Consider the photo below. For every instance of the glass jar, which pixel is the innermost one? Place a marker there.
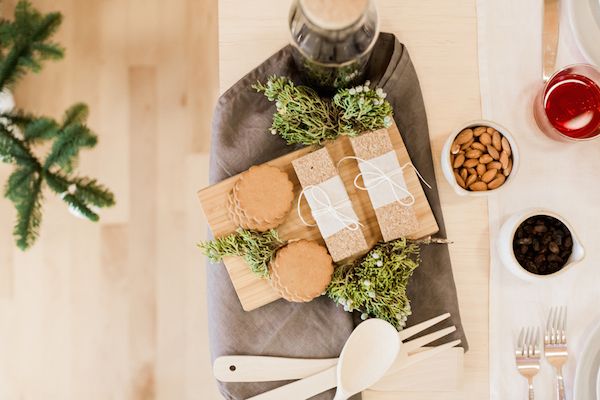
(332, 40)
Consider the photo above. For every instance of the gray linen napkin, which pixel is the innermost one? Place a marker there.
(317, 329)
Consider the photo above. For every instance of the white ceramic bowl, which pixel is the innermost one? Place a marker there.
(449, 171)
(507, 255)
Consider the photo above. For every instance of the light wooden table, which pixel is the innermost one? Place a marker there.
(442, 39)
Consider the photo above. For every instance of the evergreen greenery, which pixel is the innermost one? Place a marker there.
(376, 284)
(303, 117)
(257, 248)
(25, 42)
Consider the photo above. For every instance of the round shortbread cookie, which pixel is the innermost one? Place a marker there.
(264, 193)
(240, 220)
(301, 270)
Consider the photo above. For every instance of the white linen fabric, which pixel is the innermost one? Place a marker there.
(559, 176)
(376, 172)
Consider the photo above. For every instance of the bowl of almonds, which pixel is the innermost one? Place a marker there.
(480, 158)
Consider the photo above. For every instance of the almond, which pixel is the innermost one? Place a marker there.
(478, 186)
(464, 136)
(497, 141)
(508, 170)
(494, 165)
(455, 148)
(474, 153)
(467, 145)
(489, 175)
(459, 180)
(471, 171)
(481, 169)
(485, 139)
(471, 163)
(490, 130)
(479, 131)
(493, 152)
(478, 146)
(463, 173)
(486, 158)
(470, 180)
(504, 159)
(458, 160)
(506, 146)
(497, 182)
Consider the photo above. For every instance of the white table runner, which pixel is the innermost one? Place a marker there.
(558, 176)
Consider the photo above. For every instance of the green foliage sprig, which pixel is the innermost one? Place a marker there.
(303, 117)
(257, 248)
(24, 44)
(376, 283)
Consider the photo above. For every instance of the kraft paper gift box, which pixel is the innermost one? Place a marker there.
(330, 205)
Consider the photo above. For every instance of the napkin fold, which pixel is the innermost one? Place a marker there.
(317, 329)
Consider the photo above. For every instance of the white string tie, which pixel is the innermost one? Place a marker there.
(377, 177)
(326, 207)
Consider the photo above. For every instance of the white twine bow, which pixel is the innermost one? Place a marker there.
(380, 177)
(326, 207)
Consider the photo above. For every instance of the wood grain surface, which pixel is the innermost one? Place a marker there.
(441, 37)
(117, 310)
(254, 292)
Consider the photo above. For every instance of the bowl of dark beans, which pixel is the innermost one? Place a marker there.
(538, 243)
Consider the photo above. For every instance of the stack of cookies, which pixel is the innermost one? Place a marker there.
(261, 198)
(301, 270)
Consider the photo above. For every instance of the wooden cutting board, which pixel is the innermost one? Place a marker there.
(254, 292)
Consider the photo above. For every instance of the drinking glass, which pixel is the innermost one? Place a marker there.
(568, 106)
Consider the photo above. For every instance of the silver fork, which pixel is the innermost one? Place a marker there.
(528, 355)
(555, 345)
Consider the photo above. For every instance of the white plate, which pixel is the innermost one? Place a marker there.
(585, 21)
(598, 386)
(586, 375)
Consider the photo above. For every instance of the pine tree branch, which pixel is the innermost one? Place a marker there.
(28, 32)
(65, 149)
(76, 114)
(29, 211)
(14, 149)
(15, 182)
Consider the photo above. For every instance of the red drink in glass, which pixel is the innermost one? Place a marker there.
(569, 105)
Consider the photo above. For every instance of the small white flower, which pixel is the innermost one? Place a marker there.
(72, 188)
(384, 95)
(359, 89)
(367, 83)
(361, 100)
(379, 92)
(273, 131)
(375, 255)
(278, 104)
(352, 91)
(387, 121)
(371, 294)
(346, 308)
(349, 303)
(364, 316)
(367, 283)
(366, 88)
(379, 263)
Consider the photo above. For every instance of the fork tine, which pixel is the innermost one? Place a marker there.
(423, 340)
(554, 332)
(548, 333)
(413, 330)
(536, 342)
(527, 341)
(563, 325)
(521, 341)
